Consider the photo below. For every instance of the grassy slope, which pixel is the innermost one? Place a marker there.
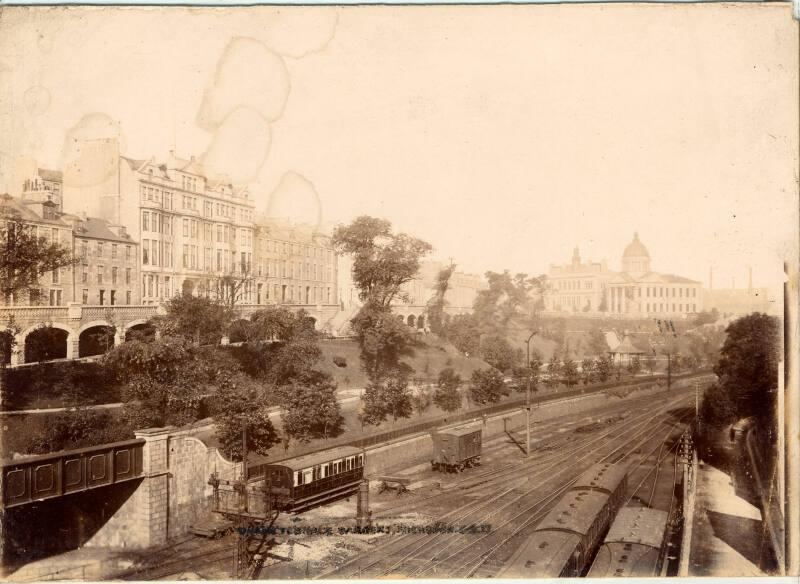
(430, 356)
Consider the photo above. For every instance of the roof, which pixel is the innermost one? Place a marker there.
(460, 431)
(635, 249)
(604, 476)
(638, 525)
(13, 206)
(575, 512)
(315, 458)
(626, 347)
(96, 228)
(51, 175)
(651, 278)
(542, 555)
(134, 163)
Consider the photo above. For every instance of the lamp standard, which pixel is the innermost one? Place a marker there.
(528, 397)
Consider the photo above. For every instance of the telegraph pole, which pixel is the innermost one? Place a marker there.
(528, 397)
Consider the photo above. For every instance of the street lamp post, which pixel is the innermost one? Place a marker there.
(528, 397)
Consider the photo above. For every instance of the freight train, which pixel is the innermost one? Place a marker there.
(566, 539)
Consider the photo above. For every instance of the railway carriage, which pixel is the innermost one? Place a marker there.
(307, 481)
(634, 546)
(455, 449)
(566, 539)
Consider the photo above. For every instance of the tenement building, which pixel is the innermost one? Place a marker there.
(106, 272)
(635, 292)
(196, 232)
(294, 264)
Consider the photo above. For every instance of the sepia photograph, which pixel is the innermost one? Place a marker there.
(399, 291)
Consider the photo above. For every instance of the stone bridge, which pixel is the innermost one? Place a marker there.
(80, 330)
(416, 315)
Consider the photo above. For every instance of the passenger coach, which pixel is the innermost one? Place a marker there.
(566, 539)
(307, 481)
(634, 545)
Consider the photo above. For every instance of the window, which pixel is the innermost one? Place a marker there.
(55, 297)
(127, 252)
(127, 276)
(128, 297)
(102, 295)
(85, 296)
(100, 275)
(145, 221)
(114, 274)
(99, 249)
(114, 251)
(145, 251)
(113, 297)
(186, 228)
(55, 276)
(84, 251)
(185, 256)
(85, 275)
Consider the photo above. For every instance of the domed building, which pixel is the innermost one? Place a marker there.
(634, 292)
(636, 258)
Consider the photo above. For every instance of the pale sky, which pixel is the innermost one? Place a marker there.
(504, 135)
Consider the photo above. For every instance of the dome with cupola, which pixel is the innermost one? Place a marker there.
(636, 258)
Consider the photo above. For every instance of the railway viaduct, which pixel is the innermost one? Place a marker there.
(69, 327)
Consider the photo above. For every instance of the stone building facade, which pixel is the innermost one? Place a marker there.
(634, 292)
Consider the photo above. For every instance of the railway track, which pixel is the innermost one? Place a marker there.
(465, 562)
(421, 555)
(556, 450)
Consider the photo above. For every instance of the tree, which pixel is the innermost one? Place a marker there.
(421, 399)
(487, 386)
(634, 365)
(597, 343)
(446, 395)
(164, 381)
(569, 370)
(748, 365)
(240, 404)
(554, 370)
(436, 304)
(706, 317)
(650, 363)
(388, 397)
(508, 299)
(229, 289)
(196, 318)
(383, 341)
(604, 368)
(498, 353)
(382, 261)
(717, 410)
(310, 408)
(77, 428)
(463, 332)
(587, 370)
(24, 257)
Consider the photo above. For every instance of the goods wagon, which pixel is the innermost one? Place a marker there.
(634, 545)
(455, 449)
(566, 539)
(307, 481)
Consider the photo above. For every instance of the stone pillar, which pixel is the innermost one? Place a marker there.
(152, 518)
(18, 351)
(73, 345)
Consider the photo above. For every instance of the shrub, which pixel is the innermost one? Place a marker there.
(339, 361)
(77, 429)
